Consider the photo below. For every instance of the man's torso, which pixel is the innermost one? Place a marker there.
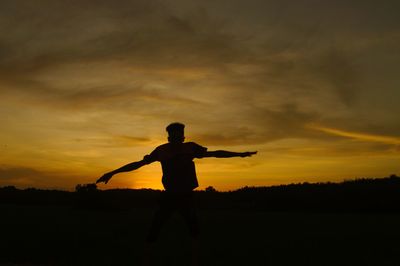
(179, 173)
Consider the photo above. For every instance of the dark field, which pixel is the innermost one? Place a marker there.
(63, 235)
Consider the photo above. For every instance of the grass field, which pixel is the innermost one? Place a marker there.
(54, 235)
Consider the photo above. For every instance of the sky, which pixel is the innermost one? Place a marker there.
(88, 86)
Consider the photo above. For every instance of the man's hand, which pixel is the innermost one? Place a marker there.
(248, 153)
(105, 178)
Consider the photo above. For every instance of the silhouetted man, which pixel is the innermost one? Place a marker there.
(179, 177)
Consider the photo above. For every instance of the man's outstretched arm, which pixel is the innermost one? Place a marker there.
(126, 168)
(228, 154)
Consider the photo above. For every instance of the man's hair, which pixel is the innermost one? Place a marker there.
(174, 128)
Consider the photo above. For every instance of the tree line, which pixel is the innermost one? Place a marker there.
(358, 195)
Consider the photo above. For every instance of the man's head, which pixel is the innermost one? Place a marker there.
(176, 132)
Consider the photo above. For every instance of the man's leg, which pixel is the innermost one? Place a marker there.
(189, 214)
(161, 215)
(190, 217)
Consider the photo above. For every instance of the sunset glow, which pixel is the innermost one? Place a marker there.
(90, 86)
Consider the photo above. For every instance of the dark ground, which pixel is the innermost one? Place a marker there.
(64, 235)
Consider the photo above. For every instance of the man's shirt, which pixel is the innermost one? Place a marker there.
(179, 172)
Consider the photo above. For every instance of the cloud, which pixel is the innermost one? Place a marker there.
(141, 33)
(30, 177)
(357, 135)
(164, 42)
(339, 71)
(156, 48)
(254, 73)
(132, 141)
(115, 141)
(258, 126)
(320, 148)
(17, 172)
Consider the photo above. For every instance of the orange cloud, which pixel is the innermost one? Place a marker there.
(357, 135)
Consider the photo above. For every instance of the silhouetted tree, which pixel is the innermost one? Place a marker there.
(210, 189)
(9, 188)
(86, 187)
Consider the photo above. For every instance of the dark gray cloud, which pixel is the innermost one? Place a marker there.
(276, 65)
(29, 177)
(57, 33)
(17, 172)
(340, 72)
(260, 125)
